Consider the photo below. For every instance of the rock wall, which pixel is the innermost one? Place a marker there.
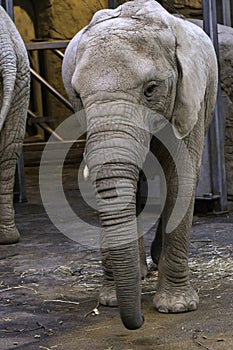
(188, 8)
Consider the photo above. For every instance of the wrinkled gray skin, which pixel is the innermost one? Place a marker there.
(128, 68)
(14, 97)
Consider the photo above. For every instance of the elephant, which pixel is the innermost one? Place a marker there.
(14, 94)
(147, 82)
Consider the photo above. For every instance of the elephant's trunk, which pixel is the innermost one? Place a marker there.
(116, 203)
(115, 156)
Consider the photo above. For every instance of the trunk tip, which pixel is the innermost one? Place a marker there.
(133, 325)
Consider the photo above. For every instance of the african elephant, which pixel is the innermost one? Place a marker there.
(14, 93)
(144, 78)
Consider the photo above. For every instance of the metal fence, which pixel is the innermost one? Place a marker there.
(225, 11)
(212, 183)
(55, 47)
(8, 6)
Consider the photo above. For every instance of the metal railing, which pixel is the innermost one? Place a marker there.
(8, 6)
(55, 47)
(225, 11)
(215, 138)
(114, 3)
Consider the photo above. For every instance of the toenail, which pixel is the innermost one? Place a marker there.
(163, 309)
(192, 306)
(179, 308)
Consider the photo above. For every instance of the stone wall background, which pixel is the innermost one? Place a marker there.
(61, 20)
(189, 8)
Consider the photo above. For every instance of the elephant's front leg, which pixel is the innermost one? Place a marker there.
(170, 249)
(8, 231)
(174, 293)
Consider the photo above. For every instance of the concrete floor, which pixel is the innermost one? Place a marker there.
(49, 288)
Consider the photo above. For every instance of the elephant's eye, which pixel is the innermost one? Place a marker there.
(149, 90)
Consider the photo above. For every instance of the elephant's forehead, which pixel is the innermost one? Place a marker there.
(129, 34)
(122, 57)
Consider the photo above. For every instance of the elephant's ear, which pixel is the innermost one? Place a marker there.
(68, 69)
(69, 61)
(104, 15)
(192, 75)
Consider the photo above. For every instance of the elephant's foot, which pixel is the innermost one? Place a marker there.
(9, 234)
(175, 300)
(107, 294)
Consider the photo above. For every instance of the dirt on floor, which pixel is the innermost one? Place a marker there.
(49, 288)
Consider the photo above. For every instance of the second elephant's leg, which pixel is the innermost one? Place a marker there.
(11, 139)
(8, 231)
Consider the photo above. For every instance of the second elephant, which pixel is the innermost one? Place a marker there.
(14, 99)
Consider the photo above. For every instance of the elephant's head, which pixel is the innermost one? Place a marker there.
(129, 68)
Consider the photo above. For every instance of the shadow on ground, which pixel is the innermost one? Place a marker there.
(49, 289)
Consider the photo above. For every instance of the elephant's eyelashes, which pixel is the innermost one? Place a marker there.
(149, 90)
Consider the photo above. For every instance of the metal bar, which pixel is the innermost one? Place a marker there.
(47, 45)
(47, 128)
(231, 10)
(112, 4)
(9, 7)
(216, 131)
(32, 114)
(210, 21)
(58, 53)
(43, 124)
(51, 89)
(37, 119)
(226, 12)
